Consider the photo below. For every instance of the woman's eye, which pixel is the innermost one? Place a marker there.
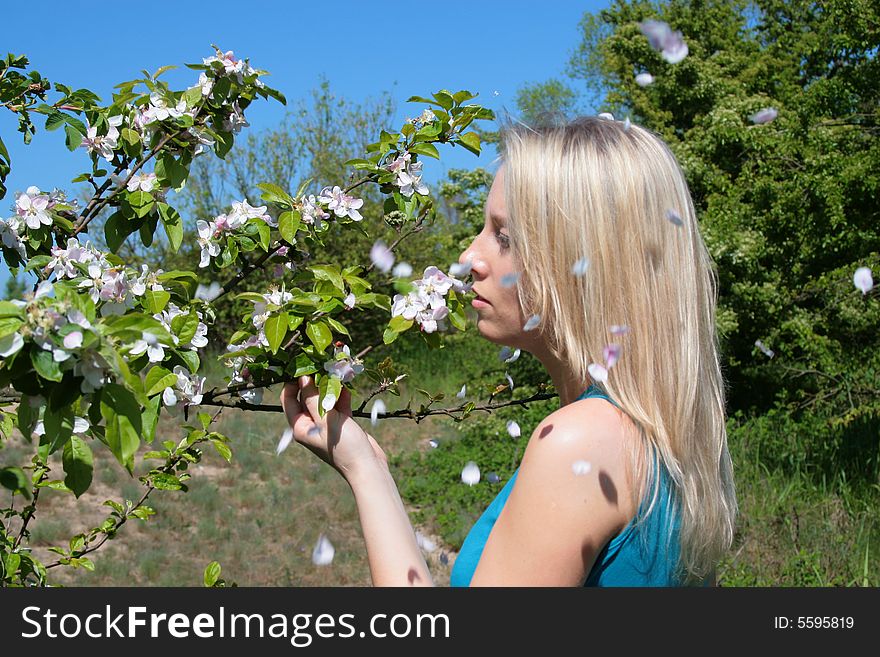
(503, 240)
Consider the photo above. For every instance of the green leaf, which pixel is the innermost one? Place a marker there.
(320, 335)
(173, 225)
(337, 326)
(329, 273)
(9, 309)
(329, 385)
(14, 479)
(222, 449)
(123, 423)
(444, 99)
(9, 325)
(45, 365)
(265, 233)
(399, 323)
(274, 194)
(471, 141)
(212, 573)
(141, 202)
(165, 481)
(288, 224)
(74, 138)
(117, 228)
(131, 136)
(158, 379)
(276, 328)
(78, 465)
(425, 148)
(156, 300)
(58, 428)
(362, 164)
(170, 171)
(149, 419)
(185, 326)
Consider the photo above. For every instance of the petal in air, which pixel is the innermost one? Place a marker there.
(581, 468)
(509, 380)
(462, 392)
(329, 401)
(513, 429)
(324, 551)
(611, 353)
(533, 321)
(507, 355)
(286, 437)
(580, 267)
(470, 474)
(493, 478)
(862, 279)
(402, 270)
(619, 329)
(767, 351)
(425, 543)
(377, 409)
(434, 443)
(509, 280)
(673, 216)
(381, 256)
(644, 79)
(598, 372)
(764, 116)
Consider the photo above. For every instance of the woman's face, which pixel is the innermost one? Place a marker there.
(499, 317)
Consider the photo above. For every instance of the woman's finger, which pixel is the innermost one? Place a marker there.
(309, 396)
(290, 402)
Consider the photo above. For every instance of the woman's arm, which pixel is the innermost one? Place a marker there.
(392, 550)
(393, 553)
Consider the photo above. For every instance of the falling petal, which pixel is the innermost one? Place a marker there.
(496, 93)
(644, 79)
(470, 474)
(425, 543)
(598, 372)
(611, 353)
(462, 392)
(862, 279)
(581, 467)
(459, 269)
(767, 352)
(323, 553)
(381, 256)
(493, 478)
(39, 428)
(444, 558)
(208, 293)
(286, 437)
(764, 116)
(580, 267)
(534, 320)
(509, 280)
(606, 116)
(626, 124)
(507, 355)
(509, 380)
(80, 425)
(329, 401)
(378, 408)
(619, 329)
(513, 429)
(349, 301)
(674, 217)
(434, 443)
(402, 270)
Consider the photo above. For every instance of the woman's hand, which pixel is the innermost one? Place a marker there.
(336, 438)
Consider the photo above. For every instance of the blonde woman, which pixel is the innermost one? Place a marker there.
(590, 231)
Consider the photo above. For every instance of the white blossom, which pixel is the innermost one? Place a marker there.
(341, 203)
(33, 207)
(145, 182)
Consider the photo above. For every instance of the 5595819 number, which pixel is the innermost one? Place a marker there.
(825, 622)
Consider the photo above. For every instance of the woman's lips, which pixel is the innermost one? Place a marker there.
(479, 302)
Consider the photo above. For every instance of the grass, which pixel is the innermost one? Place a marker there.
(261, 515)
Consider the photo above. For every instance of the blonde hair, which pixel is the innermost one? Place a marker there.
(615, 194)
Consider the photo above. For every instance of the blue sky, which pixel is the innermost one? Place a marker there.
(363, 48)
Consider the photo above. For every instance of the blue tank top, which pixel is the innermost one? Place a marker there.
(646, 555)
